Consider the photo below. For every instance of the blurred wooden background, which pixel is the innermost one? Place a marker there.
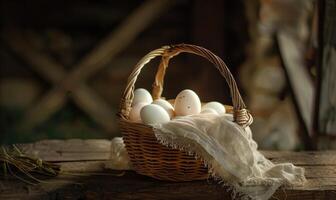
(64, 64)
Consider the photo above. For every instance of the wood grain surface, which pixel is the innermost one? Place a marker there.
(86, 175)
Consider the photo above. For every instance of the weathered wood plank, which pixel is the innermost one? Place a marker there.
(69, 150)
(132, 186)
(311, 172)
(84, 166)
(71, 145)
(303, 158)
(86, 174)
(320, 171)
(317, 184)
(77, 149)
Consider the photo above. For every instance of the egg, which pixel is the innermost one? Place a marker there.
(142, 95)
(218, 107)
(134, 114)
(154, 114)
(165, 105)
(187, 103)
(208, 111)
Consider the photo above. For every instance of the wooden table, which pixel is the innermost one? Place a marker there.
(78, 157)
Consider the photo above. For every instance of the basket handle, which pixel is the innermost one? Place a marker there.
(241, 114)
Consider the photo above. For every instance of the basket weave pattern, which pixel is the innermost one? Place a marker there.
(147, 155)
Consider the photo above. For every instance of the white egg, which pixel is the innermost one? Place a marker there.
(165, 105)
(187, 103)
(218, 107)
(208, 111)
(154, 114)
(142, 95)
(135, 112)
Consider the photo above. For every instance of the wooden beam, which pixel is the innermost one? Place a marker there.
(94, 61)
(326, 97)
(41, 62)
(119, 39)
(49, 104)
(56, 98)
(301, 85)
(96, 107)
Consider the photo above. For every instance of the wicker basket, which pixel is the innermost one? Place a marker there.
(147, 155)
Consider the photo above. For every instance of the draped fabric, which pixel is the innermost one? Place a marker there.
(230, 153)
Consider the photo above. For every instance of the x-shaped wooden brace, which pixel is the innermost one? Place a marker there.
(73, 82)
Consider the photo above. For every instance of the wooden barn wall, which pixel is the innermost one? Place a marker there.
(68, 30)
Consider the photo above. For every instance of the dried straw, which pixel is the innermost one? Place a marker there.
(15, 163)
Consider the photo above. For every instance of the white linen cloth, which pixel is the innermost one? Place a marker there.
(230, 153)
(119, 159)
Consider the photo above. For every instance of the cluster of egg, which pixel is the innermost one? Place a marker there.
(145, 110)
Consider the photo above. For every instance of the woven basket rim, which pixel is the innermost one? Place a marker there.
(134, 123)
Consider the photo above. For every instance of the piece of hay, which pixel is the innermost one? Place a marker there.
(25, 168)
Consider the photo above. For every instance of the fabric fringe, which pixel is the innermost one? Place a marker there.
(201, 137)
(186, 147)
